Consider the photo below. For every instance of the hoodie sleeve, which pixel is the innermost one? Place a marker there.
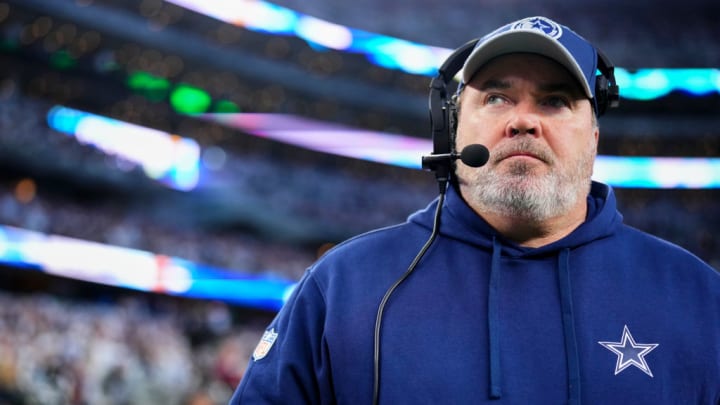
(290, 363)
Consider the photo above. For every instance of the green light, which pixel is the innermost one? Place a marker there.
(62, 60)
(226, 106)
(153, 87)
(190, 100)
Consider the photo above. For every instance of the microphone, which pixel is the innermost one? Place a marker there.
(474, 155)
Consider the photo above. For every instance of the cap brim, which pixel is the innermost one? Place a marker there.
(523, 41)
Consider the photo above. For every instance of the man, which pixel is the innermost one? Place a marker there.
(532, 291)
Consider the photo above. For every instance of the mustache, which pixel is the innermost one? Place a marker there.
(524, 146)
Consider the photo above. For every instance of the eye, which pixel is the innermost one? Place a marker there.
(494, 99)
(556, 101)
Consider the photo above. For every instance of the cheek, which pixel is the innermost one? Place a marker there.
(580, 157)
(571, 140)
(473, 129)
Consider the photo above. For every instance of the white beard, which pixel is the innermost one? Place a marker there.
(518, 191)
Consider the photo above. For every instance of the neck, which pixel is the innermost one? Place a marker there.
(531, 233)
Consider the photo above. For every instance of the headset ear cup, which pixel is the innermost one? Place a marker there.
(441, 117)
(607, 92)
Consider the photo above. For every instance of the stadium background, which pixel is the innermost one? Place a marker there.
(83, 323)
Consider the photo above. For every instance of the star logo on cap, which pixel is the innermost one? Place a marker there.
(546, 26)
(630, 353)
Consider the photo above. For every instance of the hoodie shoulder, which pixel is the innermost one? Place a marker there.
(382, 253)
(666, 253)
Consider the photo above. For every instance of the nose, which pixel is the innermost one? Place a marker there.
(523, 122)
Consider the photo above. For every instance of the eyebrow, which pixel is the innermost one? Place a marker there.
(495, 84)
(564, 87)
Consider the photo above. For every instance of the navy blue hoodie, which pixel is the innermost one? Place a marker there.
(606, 315)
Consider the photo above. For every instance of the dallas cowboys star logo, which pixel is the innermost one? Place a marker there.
(548, 27)
(630, 353)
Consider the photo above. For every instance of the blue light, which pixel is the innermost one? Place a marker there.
(649, 84)
(64, 120)
(658, 172)
(139, 270)
(696, 81)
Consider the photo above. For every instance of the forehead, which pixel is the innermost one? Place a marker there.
(509, 69)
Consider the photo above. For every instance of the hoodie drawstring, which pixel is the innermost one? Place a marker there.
(493, 321)
(571, 349)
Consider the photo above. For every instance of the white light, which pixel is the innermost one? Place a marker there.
(176, 279)
(92, 261)
(324, 33)
(168, 158)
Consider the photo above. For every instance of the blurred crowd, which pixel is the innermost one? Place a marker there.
(108, 223)
(689, 218)
(62, 351)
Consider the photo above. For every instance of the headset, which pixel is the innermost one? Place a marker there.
(443, 120)
(443, 110)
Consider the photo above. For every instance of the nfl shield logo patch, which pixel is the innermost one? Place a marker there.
(266, 342)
